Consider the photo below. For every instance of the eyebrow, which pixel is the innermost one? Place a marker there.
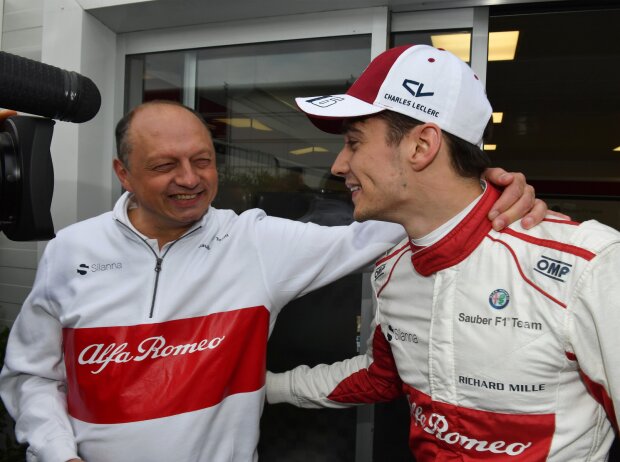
(349, 128)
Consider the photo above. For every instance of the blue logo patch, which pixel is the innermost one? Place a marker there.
(499, 299)
(416, 88)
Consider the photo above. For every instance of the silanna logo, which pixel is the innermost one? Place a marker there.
(379, 271)
(394, 333)
(83, 268)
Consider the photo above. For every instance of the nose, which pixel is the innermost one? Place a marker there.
(340, 167)
(187, 176)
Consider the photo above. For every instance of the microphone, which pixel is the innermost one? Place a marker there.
(36, 88)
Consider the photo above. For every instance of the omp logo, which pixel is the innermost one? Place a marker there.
(394, 333)
(554, 269)
(83, 268)
(325, 101)
(416, 88)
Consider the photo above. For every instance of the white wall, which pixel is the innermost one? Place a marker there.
(82, 153)
(60, 33)
(22, 28)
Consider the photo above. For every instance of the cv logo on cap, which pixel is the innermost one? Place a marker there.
(416, 88)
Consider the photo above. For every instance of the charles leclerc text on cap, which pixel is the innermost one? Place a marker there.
(425, 83)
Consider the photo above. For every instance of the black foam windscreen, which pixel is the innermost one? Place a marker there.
(41, 89)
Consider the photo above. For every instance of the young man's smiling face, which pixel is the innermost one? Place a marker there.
(171, 170)
(374, 170)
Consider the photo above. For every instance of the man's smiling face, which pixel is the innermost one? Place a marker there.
(171, 170)
(373, 170)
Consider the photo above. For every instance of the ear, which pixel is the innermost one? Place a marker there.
(424, 142)
(122, 173)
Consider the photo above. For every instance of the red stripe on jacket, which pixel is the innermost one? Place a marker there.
(125, 374)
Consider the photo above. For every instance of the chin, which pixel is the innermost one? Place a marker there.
(365, 215)
(361, 216)
(192, 218)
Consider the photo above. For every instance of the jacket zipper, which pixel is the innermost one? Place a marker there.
(158, 260)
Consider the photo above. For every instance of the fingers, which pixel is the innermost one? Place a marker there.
(536, 214)
(559, 215)
(4, 113)
(498, 176)
(517, 201)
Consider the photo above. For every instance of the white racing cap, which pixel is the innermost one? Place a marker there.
(419, 81)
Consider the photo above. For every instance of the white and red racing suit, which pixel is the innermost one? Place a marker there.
(504, 343)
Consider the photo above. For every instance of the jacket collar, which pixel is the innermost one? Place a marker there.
(459, 243)
(120, 214)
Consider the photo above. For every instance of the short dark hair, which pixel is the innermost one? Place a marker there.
(468, 160)
(123, 145)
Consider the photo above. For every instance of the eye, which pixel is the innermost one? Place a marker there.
(166, 167)
(352, 143)
(203, 162)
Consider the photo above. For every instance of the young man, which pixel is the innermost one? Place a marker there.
(144, 336)
(504, 343)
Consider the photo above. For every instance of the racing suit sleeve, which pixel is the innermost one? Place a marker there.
(300, 257)
(593, 328)
(367, 378)
(32, 382)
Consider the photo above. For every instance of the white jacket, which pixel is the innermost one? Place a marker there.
(504, 343)
(126, 352)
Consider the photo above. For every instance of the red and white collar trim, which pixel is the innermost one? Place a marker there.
(459, 243)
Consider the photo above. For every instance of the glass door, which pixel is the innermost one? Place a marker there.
(557, 93)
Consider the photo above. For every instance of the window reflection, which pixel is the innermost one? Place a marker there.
(455, 41)
(559, 97)
(270, 155)
(163, 76)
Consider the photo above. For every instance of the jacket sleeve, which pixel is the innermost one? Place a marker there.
(297, 258)
(594, 325)
(32, 381)
(368, 378)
